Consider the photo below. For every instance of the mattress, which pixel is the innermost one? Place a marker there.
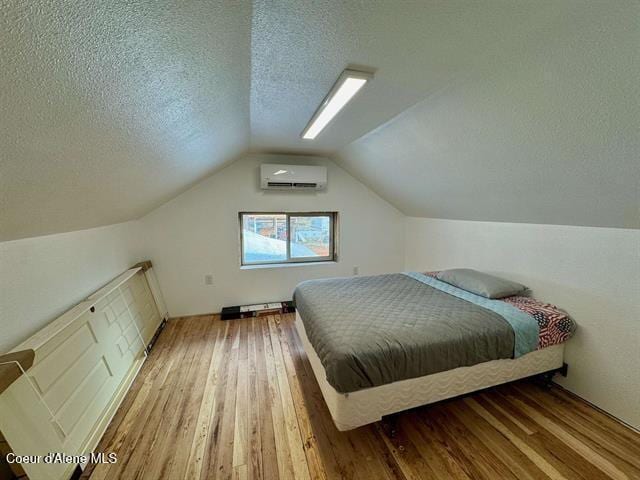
(352, 410)
(372, 331)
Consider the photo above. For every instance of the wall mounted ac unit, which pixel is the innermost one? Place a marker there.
(292, 177)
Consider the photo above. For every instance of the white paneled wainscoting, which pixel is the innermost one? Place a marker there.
(78, 369)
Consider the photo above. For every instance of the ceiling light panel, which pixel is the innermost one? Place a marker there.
(348, 84)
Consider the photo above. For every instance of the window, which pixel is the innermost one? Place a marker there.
(287, 237)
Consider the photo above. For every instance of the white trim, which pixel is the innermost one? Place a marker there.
(332, 257)
(285, 265)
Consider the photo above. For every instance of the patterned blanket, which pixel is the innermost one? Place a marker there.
(555, 324)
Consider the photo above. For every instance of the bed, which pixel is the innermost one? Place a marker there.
(382, 344)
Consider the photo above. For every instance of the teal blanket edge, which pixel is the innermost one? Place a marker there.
(525, 327)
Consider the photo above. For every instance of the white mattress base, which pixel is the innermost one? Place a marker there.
(352, 410)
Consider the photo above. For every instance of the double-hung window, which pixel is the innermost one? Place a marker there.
(284, 237)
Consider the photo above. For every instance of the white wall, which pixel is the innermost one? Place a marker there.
(593, 273)
(198, 233)
(42, 277)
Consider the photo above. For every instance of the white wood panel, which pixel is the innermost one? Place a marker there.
(79, 339)
(82, 372)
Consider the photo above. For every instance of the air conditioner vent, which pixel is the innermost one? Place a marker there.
(280, 184)
(293, 177)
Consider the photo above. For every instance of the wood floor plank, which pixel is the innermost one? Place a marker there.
(558, 453)
(521, 445)
(239, 400)
(214, 438)
(267, 433)
(254, 469)
(241, 432)
(336, 448)
(296, 443)
(433, 449)
(223, 465)
(413, 465)
(518, 463)
(477, 457)
(625, 454)
(389, 464)
(309, 440)
(317, 412)
(371, 465)
(283, 455)
(205, 413)
(150, 460)
(579, 447)
(240, 472)
(177, 438)
(611, 427)
(503, 411)
(189, 417)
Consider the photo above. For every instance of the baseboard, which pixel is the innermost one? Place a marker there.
(611, 416)
(208, 314)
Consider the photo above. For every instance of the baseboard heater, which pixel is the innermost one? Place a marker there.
(256, 310)
(61, 387)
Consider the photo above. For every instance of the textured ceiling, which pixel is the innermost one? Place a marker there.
(490, 110)
(111, 108)
(543, 130)
(298, 49)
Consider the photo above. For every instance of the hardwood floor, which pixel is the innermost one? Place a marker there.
(238, 399)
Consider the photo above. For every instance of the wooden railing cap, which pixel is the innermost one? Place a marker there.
(145, 265)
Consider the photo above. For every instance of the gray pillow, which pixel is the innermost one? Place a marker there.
(481, 283)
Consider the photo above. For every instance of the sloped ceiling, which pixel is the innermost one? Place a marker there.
(111, 108)
(495, 111)
(545, 129)
(508, 111)
(300, 47)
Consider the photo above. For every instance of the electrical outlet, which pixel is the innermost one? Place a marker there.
(356, 270)
(208, 279)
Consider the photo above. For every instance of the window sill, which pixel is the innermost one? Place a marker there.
(286, 265)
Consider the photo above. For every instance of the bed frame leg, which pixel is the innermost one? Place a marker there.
(546, 378)
(564, 369)
(390, 425)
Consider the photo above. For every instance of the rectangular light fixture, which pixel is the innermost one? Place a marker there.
(347, 85)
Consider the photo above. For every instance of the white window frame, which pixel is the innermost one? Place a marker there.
(332, 257)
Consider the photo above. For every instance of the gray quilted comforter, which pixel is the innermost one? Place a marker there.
(369, 331)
